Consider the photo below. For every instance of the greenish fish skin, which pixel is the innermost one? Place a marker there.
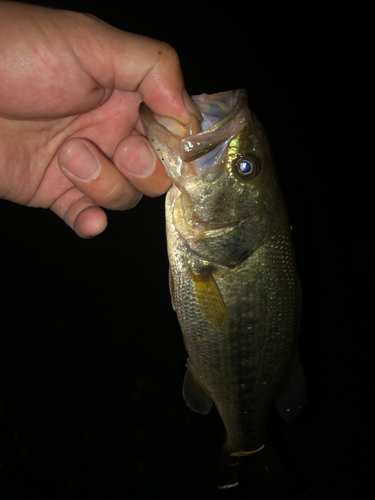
(233, 275)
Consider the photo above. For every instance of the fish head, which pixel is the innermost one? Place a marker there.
(221, 168)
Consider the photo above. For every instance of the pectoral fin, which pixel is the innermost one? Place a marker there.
(210, 300)
(195, 396)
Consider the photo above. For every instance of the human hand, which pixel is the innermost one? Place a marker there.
(70, 135)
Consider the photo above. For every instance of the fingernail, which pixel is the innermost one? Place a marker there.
(81, 162)
(138, 159)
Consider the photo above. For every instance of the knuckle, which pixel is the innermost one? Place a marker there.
(170, 55)
(169, 51)
(122, 196)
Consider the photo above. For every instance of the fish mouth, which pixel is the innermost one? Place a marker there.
(194, 154)
(178, 146)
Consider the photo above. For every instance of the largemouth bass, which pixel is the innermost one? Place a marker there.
(233, 277)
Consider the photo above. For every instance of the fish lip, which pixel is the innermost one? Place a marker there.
(205, 229)
(202, 143)
(240, 101)
(194, 146)
(148, 119)
(160, 138)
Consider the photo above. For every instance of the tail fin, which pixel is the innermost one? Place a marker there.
(263, 468)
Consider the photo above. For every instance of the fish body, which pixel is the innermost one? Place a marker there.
(233, 276)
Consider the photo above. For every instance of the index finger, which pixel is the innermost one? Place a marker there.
(129, 62)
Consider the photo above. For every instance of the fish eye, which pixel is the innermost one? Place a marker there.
(247, 167)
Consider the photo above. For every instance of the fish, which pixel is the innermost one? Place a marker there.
(233, 277)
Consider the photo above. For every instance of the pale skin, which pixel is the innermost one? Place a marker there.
(70, 135)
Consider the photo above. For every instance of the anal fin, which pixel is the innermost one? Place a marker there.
(292, 397)
(195, 396)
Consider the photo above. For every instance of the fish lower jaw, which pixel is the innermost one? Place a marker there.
(193, 229)
(196, 232)
(190, 227)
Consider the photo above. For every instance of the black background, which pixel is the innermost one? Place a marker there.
(92, 359)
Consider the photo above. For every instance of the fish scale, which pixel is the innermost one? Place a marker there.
(232, 367)
(233, 277)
